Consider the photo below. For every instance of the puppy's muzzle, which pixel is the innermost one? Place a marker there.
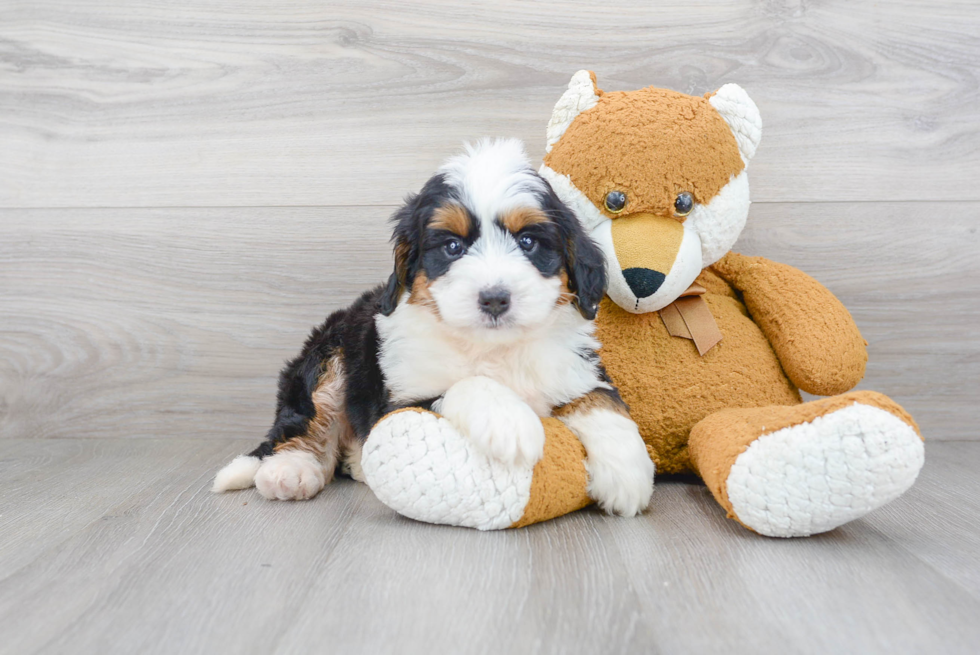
(494, 302)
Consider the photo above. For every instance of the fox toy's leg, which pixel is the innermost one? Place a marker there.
(418, 464)
(800, 470)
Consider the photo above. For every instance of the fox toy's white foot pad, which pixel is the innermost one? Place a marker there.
(813, 477)
(419, 465)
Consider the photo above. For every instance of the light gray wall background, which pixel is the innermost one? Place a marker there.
(187, 187)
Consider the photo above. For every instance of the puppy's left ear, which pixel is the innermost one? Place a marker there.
(584, 262)
(406, 248)
(586, 273)
(410, 222)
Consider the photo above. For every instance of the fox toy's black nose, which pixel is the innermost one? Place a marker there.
(495, 301)
(642, 281)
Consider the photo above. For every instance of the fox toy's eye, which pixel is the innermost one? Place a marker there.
(453, 248)
(527, 243)
(615, 201)
(684, 204)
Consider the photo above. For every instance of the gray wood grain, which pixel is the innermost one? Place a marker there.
(52, 489)
(158, 564)
(164, 322)
(143, 323)
(180, 103)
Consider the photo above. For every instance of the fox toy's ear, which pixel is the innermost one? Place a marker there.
(742, 116)
(582, 94)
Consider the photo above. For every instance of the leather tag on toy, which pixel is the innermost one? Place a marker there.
(688, 317)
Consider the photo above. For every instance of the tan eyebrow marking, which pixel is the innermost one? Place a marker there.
(518, 219)
(452, 218)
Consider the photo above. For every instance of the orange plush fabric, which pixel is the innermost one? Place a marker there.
(670, 387)
(559, 482)
(781, 330)
(652, 143)
(812, 333)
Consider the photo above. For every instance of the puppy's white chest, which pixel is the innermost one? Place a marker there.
(420, 362)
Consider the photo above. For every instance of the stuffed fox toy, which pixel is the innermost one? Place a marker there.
(709, 348)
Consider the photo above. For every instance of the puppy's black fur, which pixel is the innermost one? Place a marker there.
(349, 331)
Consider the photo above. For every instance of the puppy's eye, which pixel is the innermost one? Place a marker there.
(527, 243)
(615, 201)
(453, 248)
(684, 204)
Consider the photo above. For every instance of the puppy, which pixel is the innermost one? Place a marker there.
(486, 319)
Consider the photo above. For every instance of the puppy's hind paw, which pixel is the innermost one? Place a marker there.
(290, 475)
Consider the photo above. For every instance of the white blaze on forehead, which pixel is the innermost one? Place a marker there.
(492, 177)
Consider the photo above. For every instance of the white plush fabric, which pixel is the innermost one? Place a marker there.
(720, 222)
(742, 115)
(813, 477)
(579, 97)
(419, 465)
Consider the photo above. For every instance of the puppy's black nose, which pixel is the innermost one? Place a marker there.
(643, 282)
(494, 301)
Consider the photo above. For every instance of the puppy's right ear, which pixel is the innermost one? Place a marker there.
(406, 249)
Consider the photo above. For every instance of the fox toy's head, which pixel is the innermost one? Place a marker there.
(657, 177)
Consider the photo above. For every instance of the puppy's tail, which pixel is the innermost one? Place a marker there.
(239, 473)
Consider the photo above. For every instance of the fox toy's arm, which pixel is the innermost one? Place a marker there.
(813, 334)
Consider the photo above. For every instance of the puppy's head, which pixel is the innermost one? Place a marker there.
(487, 246)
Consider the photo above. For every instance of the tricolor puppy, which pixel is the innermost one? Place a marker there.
(486, 319)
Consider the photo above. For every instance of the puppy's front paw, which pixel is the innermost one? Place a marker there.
(622, 488)
(496, 419)
(620, 470)
(290, 475)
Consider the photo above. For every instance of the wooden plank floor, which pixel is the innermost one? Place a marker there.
(117, 546)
